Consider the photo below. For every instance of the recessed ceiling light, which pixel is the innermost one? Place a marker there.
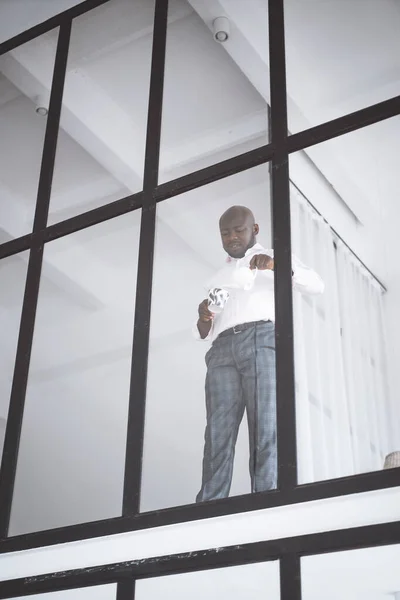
(42, 111)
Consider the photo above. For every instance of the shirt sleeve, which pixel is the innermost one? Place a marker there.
(306, 280)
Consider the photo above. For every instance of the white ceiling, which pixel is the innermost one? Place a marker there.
(19, 15)
(341, 56)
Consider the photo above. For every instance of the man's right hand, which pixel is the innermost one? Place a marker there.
(204, 323)
(205, 315)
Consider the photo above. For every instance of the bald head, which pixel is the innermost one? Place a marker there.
(237, 212)
(238, 230)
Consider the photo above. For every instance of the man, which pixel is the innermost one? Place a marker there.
(241, 361)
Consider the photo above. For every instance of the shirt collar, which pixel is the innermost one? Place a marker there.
(256, 246)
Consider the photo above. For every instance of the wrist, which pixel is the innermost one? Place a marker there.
(204, 328)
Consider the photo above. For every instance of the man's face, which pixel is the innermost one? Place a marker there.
(238, 234)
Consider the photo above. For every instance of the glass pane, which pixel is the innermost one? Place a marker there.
(365, 574)
(25, 82)
(72, 452)
(340, 57)
(344, 224)
(100, 592)
(12, 285)
(189, 263)
(100, 151)
(215, 94)
(244, 582)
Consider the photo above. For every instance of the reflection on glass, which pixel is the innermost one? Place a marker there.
(244, 582)
(100, 592)
(340, 57)
(100, 151)
(25, 82)
(215, 94)
(12, 284)
(189, 261)
(368, 573)
(71, 459)
(344, 223)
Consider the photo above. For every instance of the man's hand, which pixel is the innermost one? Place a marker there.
(263, 262)
(205, 315)
(204, 323)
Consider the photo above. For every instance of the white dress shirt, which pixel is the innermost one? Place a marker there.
(254, 302)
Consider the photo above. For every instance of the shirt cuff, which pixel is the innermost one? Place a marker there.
(307, 281)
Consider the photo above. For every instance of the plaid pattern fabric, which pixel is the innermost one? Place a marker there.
(240, 376)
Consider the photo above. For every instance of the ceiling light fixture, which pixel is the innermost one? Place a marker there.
(221, 29)
(41, 105)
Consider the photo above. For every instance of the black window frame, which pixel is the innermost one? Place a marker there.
(276, 153)
(288, 551)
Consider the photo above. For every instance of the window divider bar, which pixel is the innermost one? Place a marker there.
(141, 333)
(126, 589)
(290, 577)
(289, 550)
(154, 119)
(92, 217)
(215, 172)
(52, 128)
(18, 390)
(280, 194)
(321, 490)
(344, 125)
(16, 245)
(28, 314)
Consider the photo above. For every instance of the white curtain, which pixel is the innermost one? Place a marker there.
(343, 411)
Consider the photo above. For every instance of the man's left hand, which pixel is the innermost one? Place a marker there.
(263, 262)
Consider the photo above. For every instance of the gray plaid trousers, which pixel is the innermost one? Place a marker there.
(240, 375)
